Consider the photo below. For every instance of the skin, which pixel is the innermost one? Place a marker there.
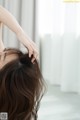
(10, 21)
(7, 59)
(1, 43)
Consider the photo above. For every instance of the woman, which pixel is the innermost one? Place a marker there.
(21, 82)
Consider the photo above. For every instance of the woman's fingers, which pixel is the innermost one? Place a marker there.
(29, 44)
(33, 59)
(30, 53)
(34, 52)
(35, 56)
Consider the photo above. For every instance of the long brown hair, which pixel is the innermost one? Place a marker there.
(21, 87)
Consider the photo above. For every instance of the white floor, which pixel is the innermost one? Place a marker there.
(57, 105)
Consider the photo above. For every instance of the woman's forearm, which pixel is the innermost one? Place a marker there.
(8, 19)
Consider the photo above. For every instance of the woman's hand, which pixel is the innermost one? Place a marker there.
(8, 19)
(29, 44)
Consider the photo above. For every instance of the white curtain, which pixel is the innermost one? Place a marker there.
(59, 32)
(24, 12)
(58, 26)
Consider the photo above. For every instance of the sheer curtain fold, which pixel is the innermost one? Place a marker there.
(61, 48)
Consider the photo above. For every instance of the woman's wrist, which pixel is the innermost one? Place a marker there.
(21, 35)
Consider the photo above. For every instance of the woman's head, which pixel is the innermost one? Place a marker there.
(21, 86)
